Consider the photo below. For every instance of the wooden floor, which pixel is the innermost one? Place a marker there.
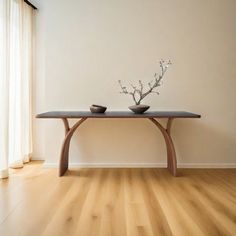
(100, 202)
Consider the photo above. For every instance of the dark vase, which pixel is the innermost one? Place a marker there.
(139, 109)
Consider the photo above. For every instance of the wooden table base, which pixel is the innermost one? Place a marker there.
(152, 116)
(63, 166)
(171, 156)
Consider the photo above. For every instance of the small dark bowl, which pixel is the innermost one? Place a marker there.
(139, 109)
(97, 109)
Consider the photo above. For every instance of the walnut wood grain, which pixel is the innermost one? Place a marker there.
(63, 166)
(171, 156)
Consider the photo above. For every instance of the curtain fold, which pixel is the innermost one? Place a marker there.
(16, 72)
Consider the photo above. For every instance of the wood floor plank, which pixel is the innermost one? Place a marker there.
(122, 202)
(178, 219)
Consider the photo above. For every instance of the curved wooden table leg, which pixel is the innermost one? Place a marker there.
(63, 166)
(171, 155)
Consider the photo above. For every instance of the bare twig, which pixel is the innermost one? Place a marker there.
(138, 94)
(125, 91)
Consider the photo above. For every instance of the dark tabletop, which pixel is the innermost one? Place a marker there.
(117, 114)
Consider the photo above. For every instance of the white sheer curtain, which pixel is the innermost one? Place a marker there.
(16, 72)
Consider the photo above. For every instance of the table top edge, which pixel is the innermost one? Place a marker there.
(116, 114)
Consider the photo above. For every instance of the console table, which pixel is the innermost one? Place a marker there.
(152, 116)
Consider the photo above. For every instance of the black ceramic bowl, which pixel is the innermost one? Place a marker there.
(97, 109)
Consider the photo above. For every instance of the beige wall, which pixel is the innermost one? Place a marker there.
(85, 46)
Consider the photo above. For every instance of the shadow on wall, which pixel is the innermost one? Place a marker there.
(117, 141)
(139, 141)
